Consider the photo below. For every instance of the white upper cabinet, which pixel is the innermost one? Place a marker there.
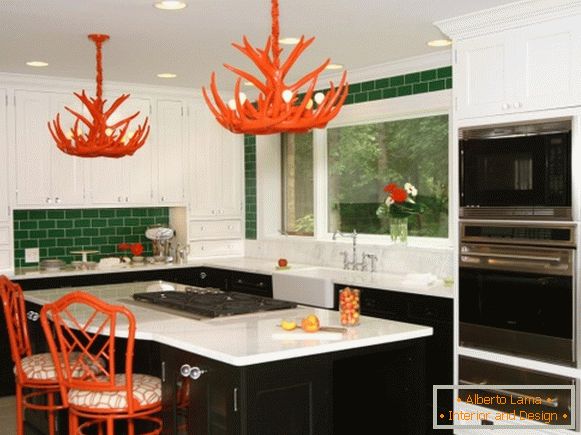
(171, 150)
(4, 203)
(216, 175)
(44, 174)
(519, 70)
(126, 180)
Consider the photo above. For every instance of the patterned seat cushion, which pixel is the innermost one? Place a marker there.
(146, 390)
(41, 366)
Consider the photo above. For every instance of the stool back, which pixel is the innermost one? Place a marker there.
(85, 326)
(12, 298)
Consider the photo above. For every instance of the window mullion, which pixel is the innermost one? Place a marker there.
(320, 182)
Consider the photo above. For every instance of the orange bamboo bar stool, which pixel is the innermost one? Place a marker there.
(102, 396)
(34, 372)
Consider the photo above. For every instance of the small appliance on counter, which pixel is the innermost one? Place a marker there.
(161, 240)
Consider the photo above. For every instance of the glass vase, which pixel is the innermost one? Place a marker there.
(398, 230)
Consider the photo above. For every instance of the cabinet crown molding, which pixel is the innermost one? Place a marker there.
(509, 16)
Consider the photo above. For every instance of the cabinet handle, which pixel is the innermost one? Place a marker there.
(57, 200)
(203, 275)
(191, 372)
(518, 105)
(32, 316)
(230, 227)
(126, 199)
(48, 201)
(505, 106)
(163, 199)
(118, 199)
(202, 228)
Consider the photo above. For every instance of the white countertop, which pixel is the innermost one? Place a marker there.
(400, 282)
(243, 339)
(379, 280)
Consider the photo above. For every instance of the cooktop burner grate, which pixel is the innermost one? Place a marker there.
(210, 302)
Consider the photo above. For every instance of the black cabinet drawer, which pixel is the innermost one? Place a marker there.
(384, 304)
(430, 308)
(252, 283)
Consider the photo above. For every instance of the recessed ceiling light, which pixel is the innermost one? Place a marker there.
(170, 5)
(334, 66)
(36, 63)
(289, 41)
(439, 43)
(167, 75)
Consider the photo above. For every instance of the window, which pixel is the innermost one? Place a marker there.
(297, 184)
(362, 159)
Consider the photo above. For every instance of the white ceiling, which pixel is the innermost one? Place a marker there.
(196, 41)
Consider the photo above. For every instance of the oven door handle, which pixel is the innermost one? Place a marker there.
(511, 256)
(553, 402)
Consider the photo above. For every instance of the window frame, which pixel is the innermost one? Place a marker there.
(392, 109)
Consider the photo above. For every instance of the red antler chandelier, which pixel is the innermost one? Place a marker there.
(279, 107)
(101, 138)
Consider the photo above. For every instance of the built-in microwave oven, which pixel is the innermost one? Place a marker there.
(516, 172)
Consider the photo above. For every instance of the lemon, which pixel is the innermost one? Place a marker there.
(288, 325)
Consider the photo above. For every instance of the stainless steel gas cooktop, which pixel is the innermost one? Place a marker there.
(211, 302)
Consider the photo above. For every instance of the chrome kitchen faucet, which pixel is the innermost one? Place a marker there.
(353, 264)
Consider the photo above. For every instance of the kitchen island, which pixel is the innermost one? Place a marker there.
(244, 375)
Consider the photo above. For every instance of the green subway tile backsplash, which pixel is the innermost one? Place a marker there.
(250, 184)
(57, 232)
(413, 83)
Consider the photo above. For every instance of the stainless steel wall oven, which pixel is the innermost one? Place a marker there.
(517, 289)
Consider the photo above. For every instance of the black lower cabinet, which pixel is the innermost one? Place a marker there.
(436, 312)
(330, 394)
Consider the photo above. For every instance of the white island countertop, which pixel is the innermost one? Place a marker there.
(242, 339)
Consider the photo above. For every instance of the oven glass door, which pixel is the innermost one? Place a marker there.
(518, 313)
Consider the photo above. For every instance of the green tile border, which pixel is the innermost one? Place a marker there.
(412, 83)
(57, 232)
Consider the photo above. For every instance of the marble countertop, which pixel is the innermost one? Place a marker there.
(379, 280)
(243, 339)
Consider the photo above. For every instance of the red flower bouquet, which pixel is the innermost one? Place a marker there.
(400, 202)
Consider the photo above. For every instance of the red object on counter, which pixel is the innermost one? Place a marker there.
(101, 138)
(136, 249)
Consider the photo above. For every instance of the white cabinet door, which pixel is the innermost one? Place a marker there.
(126, 180)
(482, 76)
(546, 54)
(33, 148)
(231, 180)
(205, 172)
(531, 68)
(171, 153)
(44, 174)
(67, 172)
(4, 202)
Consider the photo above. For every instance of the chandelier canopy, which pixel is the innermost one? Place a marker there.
(279, 107)
(94, 135)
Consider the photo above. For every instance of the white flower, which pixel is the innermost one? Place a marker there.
(389, 201)
(410, 189)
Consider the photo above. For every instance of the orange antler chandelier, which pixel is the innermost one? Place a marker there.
(100, 139)
(279, 107)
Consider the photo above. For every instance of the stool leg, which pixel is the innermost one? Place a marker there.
(50, 402)
(19, 411)
(110, 427)
(131, 426)
(73, 424)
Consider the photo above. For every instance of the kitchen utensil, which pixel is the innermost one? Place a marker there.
(160, 238)
(52, 265)
(84, 254)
